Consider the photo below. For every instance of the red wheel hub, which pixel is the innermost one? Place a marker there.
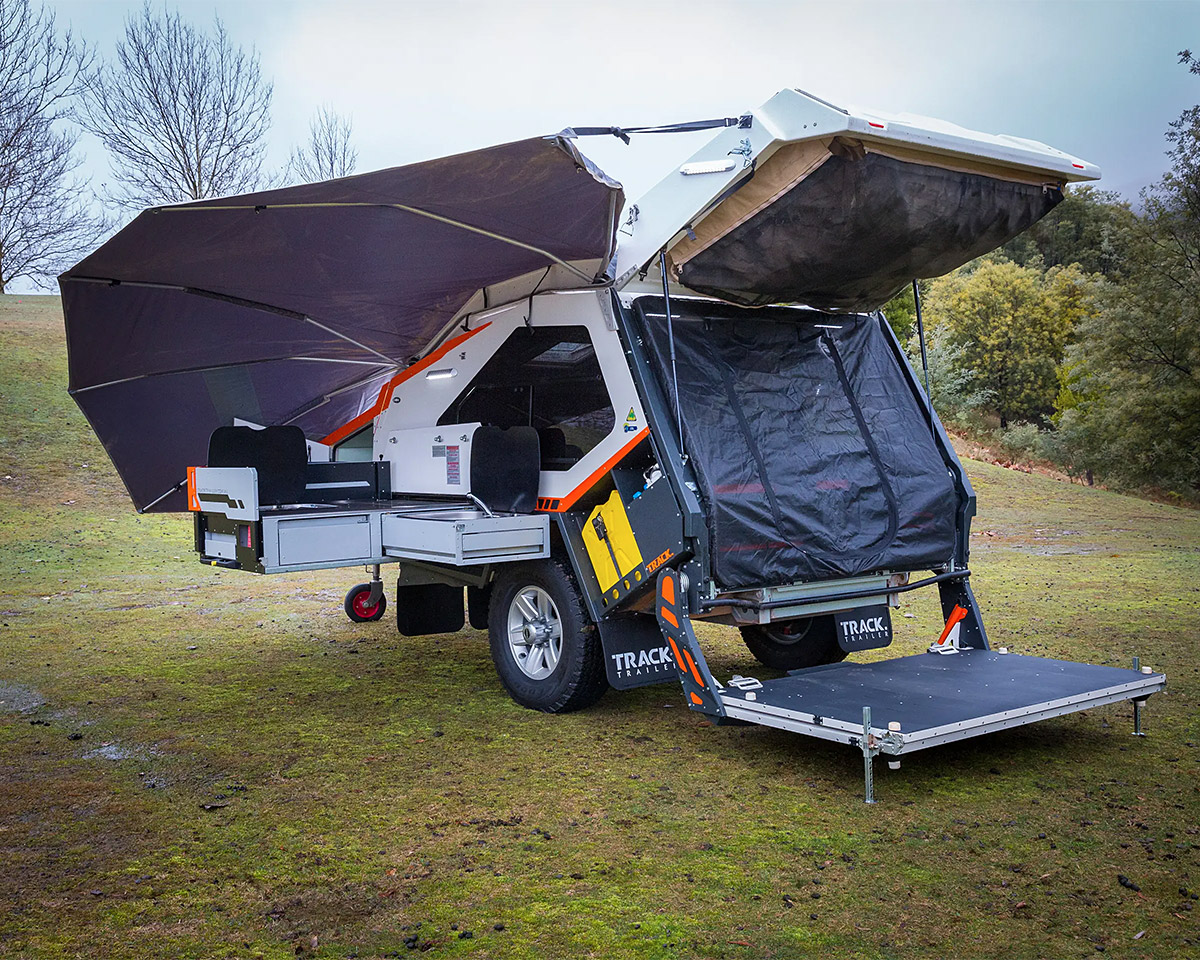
(360, 604)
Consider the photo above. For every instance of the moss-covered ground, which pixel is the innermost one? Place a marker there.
(202, 763)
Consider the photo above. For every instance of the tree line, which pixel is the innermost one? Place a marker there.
(1078, 342)
(182, 112)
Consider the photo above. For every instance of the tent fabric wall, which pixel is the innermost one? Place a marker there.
(814, 458)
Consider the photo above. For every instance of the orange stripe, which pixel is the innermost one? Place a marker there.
(692, 664)
(958, 613)
(697, 701)
(193, 499)
(668, 588)
(590, 482)
(669, 617)
(678, 658)
(385, 392)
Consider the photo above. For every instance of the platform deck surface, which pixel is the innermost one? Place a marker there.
(928, 691)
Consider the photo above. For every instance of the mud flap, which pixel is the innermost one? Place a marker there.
(699, 688)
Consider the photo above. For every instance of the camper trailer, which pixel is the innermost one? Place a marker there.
(583, 424)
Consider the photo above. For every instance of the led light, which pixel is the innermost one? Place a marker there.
(707, 166)
(444, 374)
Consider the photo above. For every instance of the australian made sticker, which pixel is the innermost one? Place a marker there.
(631, 422)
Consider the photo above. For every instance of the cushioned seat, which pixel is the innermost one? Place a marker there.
(279, 454)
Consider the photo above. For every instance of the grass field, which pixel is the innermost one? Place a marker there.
(201, 763)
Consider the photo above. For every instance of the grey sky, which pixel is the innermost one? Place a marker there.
(423, 79)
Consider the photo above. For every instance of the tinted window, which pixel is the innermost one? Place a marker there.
(546, 378)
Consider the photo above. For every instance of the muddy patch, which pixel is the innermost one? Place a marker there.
(15, 698)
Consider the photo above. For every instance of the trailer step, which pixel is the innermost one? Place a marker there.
(927, 700)
(899, 706)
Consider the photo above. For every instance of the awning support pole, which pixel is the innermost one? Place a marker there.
(921, 335)
(662, 264)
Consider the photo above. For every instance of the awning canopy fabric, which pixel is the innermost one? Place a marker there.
(293, 306)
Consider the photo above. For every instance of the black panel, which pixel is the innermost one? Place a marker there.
(355, 480)
(430, 608)
(814, 458)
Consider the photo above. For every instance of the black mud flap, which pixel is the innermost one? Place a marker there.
(479, 599)
(429, 608)
(864, 628)
(635, 653)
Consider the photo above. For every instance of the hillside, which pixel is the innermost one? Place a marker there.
(201, 763)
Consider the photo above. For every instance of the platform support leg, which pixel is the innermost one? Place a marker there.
(1137, 704)
(868, 759)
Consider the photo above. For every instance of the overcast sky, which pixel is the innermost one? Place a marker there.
(424, 79)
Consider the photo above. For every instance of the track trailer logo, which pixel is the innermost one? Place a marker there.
(642, 662)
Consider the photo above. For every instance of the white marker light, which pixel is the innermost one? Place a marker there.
(707, 166)
(444, 374)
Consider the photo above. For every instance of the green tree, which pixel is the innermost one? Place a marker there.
(1134, 415)
(1090, 227)
(1011, 325)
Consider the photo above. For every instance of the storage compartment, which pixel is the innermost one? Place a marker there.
(463, 536)
(325, 540)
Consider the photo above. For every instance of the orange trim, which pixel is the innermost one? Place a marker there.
(697, 701)
(668, 590)
(193, 498)
(669, 617)
(695, 672)
(957, 614)
(385, 392)
(567, 501)
(678, 658)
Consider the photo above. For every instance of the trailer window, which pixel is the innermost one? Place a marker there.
(357, 447)
(547, 378)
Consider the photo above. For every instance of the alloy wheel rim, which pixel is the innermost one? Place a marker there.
(534, 632)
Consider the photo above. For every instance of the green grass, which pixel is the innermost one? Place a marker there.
(362, 784)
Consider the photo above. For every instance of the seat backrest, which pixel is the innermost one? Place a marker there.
(506, 468)
(279, 454)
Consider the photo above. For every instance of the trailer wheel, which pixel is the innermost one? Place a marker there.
(356, 604)
(546, 649)
(795, 644)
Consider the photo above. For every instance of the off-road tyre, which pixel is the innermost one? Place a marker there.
(356, 604)
(577, 679)
(795, 644)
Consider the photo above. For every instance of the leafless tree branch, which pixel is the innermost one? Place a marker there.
(328, 153)
(45, 217)
(183, 113)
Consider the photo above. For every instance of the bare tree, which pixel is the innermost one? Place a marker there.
(328, 154)
(45, 218)
(183, 113)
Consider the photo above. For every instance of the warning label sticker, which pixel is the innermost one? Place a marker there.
(453, 474)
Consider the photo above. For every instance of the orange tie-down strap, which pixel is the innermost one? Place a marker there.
(697, 682)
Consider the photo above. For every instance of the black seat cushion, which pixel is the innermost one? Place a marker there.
(506, 468)
(279, 454)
